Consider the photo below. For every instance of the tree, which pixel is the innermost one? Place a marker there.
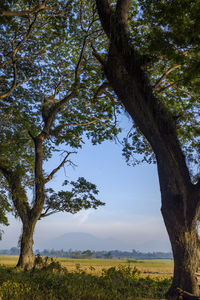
(87, 254)
(49, 105)
(152, 65)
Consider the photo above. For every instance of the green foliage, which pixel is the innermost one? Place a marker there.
(51, 85)
(135, 143)
(121, 283)
(4, 208)
(165, 35)
(82, 196)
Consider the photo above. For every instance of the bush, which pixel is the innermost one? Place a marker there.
(49, 281)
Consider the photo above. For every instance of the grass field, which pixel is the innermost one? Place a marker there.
(153, 268)
(85, 279)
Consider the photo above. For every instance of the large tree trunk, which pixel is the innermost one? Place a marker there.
(185, 247)
(26, 258)
(180, 197)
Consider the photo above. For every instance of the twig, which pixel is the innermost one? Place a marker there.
(58, 168)
(158, 82)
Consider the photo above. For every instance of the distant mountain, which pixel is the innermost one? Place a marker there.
(83, 241)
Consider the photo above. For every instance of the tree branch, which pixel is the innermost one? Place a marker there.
(23, 13)
(9, 61)
(46, 214)
(25, 37)
(58, 168)
(101, 89)
(158, 82)
(98, 56)
(122, 9)
(14, 61)
(162, 89)
(49, 114)
(80, 59)
(105, 13)
(186, 296)
(2, 96)
(17, 191)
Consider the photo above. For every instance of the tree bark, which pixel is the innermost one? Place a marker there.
(27, 258)
(180, 197)
(185, 247)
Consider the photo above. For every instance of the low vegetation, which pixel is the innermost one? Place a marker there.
(50, 280)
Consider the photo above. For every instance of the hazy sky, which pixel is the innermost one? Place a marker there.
(132, 212)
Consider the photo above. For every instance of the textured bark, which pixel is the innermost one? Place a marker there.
(26, 258)
(185, 247)
(180, 197)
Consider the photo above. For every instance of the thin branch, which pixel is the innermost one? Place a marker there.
(14, 60)
(58, 129)
(23, 13)
(185, 295)
(101, 89)
(80, 59)
(181, 90)
(3, 95)
(58, 168)
(14, 85)
(78, 138)
(168, 86)
(25, 37)
(57, 88)
(33, 138)
(46, 214)
(23, 81)
(158, 82)
(9, 61)
(98, 56)
(51, 113)
(113, 104)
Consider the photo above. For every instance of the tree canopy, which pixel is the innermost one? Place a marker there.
(49, 75)
(53, 99)
(165, 35)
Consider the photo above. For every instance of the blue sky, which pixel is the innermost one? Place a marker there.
(132, 212)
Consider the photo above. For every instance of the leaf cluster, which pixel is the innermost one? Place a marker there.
(166, 35)
(81, 196)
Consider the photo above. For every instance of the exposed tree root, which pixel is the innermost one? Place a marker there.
(182, 295)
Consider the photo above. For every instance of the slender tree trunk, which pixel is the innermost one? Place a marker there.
(27, 258)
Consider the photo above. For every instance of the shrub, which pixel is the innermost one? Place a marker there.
(49, 281)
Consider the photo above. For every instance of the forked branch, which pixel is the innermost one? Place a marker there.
(58, 168)
(159, 81)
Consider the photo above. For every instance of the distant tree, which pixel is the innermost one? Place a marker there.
(14, 251)
(52, 99)
(153, 66)
(76, 254)
(87, 254)
(108, 255)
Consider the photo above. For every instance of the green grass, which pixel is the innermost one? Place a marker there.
(52, 282)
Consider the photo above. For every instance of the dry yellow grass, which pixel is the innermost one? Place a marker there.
(153, 268)
(8, 260)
